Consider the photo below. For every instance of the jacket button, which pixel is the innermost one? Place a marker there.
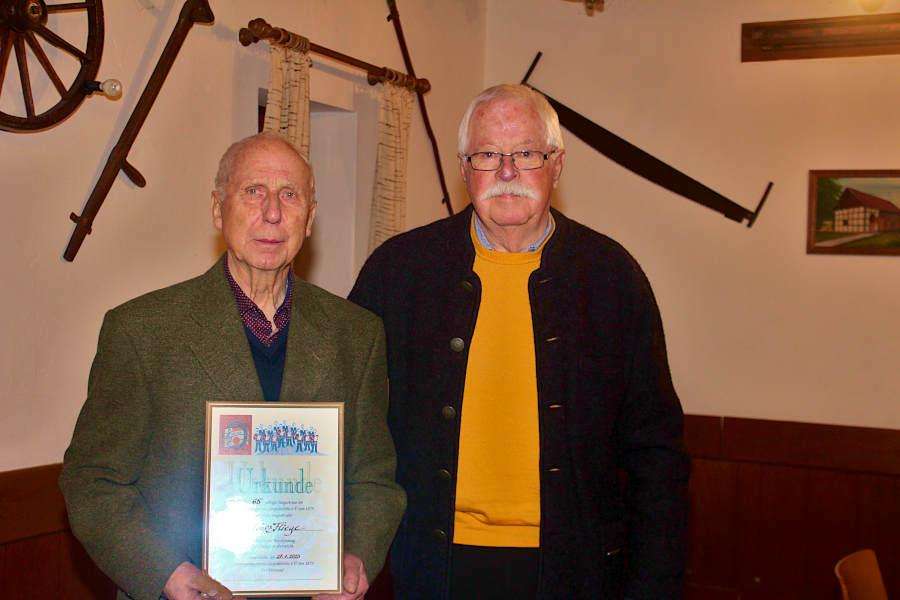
(457, 344)
(444, 474)
(448, 412)
(440, 535)
(466, 285)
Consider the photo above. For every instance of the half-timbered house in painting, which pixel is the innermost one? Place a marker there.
(861, 212)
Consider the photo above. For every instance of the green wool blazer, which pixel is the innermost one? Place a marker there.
(133, 474)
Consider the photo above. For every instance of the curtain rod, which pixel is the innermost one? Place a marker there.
(258, 29)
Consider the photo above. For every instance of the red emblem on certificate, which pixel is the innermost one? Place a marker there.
(235, 437)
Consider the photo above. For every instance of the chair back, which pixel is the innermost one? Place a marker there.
(860, 577)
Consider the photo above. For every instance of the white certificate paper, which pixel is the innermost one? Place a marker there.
(273, 510)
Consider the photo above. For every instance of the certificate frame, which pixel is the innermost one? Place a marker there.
(256, 539)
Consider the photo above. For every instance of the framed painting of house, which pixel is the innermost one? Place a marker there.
(854, 212)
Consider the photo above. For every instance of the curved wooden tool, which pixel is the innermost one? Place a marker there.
(193, 11)
(394, 18)
(645, 164)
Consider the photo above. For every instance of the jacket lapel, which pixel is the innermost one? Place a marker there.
(219, 342)
(459, 252)
(311, 347)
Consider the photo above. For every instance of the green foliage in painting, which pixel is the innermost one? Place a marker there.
(828, 193)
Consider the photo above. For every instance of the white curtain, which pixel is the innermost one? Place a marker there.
(287, 105)
(389, 196)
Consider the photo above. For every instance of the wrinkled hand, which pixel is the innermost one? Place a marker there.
(355, 583)
(187, 582)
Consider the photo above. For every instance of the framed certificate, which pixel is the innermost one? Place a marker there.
(273, 499)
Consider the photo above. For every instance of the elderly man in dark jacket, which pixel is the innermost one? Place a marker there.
(528, 373)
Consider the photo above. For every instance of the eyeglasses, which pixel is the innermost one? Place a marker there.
(523, 160)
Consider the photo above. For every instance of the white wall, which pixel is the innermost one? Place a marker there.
(146, 239)
(328, 257)
(755, 326)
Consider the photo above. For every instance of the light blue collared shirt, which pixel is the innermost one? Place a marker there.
(533, 247)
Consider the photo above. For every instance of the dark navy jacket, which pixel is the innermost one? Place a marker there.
(613, 472)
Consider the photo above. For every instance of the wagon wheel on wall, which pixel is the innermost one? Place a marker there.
(22, 22)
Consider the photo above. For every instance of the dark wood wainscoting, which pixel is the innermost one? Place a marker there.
(773, 506)
(39, 557)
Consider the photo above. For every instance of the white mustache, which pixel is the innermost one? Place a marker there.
(508, 188)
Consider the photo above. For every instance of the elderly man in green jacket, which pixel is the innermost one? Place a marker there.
(246, 330)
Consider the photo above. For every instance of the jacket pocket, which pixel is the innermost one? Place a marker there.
(593, 411)
(613, 559)
(613, 540)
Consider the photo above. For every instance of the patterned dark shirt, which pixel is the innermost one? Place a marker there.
(253, 318)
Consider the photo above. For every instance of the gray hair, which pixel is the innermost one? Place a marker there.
(226, 163)
(523, 94)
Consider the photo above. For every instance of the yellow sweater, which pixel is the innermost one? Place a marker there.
(498, 486)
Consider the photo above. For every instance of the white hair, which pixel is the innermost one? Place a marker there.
(226, 163)
(523, 94)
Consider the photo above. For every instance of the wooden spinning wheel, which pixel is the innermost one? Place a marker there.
(21, 23)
